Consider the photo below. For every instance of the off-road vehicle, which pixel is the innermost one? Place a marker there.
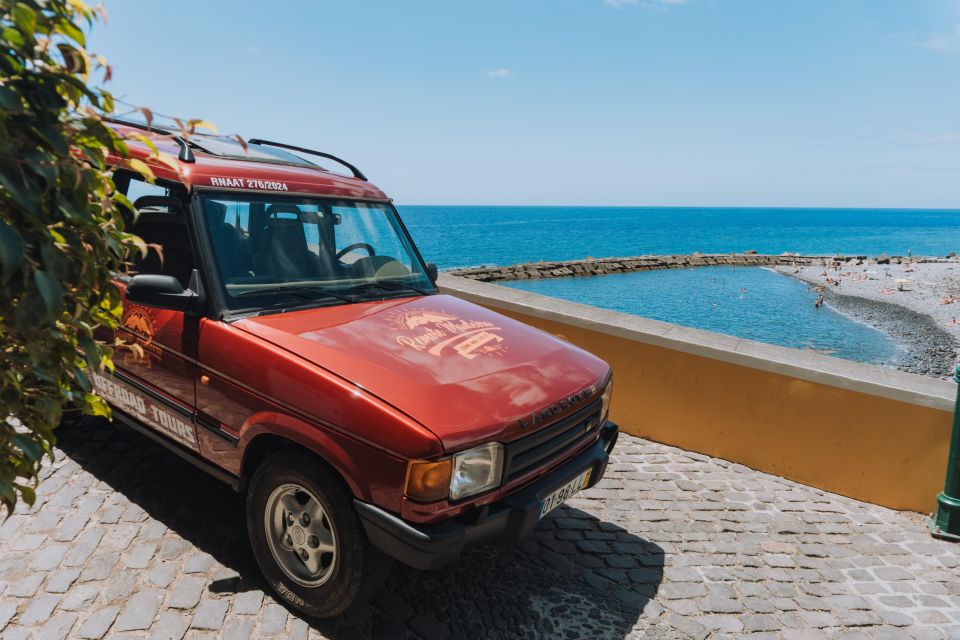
(289, 339)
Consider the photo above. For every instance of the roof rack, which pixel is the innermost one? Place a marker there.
(356, 172)
(186, 153)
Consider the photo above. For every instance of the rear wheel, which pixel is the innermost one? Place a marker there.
(307, 538)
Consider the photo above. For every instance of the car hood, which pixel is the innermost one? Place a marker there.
(464, 372)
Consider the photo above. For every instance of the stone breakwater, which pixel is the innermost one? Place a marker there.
(605, 266)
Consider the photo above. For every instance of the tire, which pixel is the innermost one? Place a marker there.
(326, 581)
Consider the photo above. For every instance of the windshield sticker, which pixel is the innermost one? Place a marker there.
(249, 183)
(137, 321)
(435, 331)
(141, 407)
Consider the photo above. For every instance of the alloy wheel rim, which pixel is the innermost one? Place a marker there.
(300, 535)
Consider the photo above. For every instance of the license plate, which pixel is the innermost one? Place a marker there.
(558, 497)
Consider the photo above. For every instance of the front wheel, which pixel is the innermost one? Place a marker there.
(307, 538)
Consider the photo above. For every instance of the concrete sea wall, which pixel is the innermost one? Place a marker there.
(864, 431)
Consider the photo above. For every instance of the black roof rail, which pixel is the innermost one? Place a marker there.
(356, 172)
(186, 153)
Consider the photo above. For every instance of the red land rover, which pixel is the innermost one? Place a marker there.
(290, 340)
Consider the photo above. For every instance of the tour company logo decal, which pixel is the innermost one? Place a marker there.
(143, 351)
(138, 405)
(435, 331)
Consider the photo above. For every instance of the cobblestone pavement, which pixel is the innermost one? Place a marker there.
(127, 540)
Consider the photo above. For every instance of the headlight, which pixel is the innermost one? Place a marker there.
(605, 401)
(476, 470)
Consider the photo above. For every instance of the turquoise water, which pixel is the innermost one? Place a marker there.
(458, 236)
(772, 308)
(754, 303)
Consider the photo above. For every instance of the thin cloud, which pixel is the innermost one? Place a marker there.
(498, 73)
(923, 138)
(649, 4)
(939, 42)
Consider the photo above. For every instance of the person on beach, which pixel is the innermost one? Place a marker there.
(819, 302)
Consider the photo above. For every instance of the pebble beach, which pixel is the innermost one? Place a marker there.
(915, 302)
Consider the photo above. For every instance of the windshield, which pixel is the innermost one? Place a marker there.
(288, 251)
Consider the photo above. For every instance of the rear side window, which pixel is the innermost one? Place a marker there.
(139, 188)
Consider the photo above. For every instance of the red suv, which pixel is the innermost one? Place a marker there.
(285, 335)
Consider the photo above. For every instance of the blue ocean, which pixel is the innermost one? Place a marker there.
(459, 236)
(752, 303)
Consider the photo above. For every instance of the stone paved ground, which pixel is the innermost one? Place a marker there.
(127, 540)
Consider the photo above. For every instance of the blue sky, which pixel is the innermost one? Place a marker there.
(574, 102)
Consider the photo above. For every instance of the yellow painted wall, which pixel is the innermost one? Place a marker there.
(875, 449)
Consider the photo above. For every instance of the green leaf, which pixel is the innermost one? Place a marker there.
(142, 168)
(73, 32)
(30, 448)
(96, 406)
(50, 410)
(83, 380)
(6, 492)
(11, 250)
(29, 495)
(25, 18)
(16, 185)
(90, 350)
(10, 99)
(50, 290)
(13, 38)
(51, 134)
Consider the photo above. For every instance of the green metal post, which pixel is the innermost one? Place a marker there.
(946, 521)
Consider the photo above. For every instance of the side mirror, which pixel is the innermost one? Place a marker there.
(432, 271)
(166, 292)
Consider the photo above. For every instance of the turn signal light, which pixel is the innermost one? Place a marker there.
(428, 481)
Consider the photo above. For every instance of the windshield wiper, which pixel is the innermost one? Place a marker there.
(298, 290)
(389, 284)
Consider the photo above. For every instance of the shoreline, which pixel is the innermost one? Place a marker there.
(912, 299)
(928, 349)
(917, 316)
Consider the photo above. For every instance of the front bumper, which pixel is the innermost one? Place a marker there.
(511, 519)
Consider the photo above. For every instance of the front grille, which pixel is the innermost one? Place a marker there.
(550, 442)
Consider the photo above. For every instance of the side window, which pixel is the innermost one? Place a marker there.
(138, 188)
(164, 231)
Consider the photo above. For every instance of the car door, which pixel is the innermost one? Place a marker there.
(156, 369)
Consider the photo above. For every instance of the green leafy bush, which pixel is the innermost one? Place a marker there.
(61, 231)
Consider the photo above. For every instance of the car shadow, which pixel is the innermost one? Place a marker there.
(575, 576)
